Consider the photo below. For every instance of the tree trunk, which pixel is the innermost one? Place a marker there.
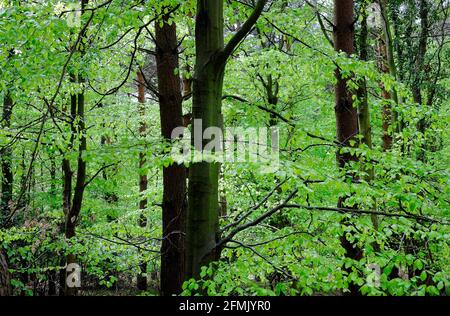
(143, 181)
(6, 194)
(78, 131)
(387, 108)
(365, 127)
(203, 210)
(422, 49)
(346, 114)
(419, 72)
(52, 274)
(6, 162)
(174, 176)
(392, 68)
(272, 89)
(72, 216)
(203, 196)
(5, 285)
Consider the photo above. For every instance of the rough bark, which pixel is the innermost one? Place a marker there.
(5, 285)
(346, 113)
(174, 176)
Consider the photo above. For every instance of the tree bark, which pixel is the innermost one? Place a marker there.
(6, 164)
(203, 209)
(365, 127)
(143, 181)
(78, 131)
(386, 95)
(346, 113)
(419, 73)
(6, 194)
(203, 197)
(422, 49)
(174, 176)
(5, 285)
(392, 68)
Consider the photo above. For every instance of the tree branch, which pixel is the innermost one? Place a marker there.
(243, 31)
(257, 220)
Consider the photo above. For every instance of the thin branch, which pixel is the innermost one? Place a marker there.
(369, 212)
(257, 220)
(98, 172)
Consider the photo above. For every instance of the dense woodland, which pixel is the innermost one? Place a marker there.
(96, 200)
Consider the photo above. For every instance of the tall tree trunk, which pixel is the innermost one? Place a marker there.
(6, 194)
(386, 95)
(143, 181)
(420, 56)
(174, 176)
(73, 213)
(388, 40)
(203, 210)
(365, 127)
(203, 196)
(419, 71)
(75, 209)
(6, 162)
(346, 114)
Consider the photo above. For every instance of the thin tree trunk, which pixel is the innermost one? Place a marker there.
(73, 213)
(397, 44)
(388, 40)
(5, 285)
(387, 108)
(419, 72)
(6, 164)
(6, 194)
(365, 127)
(143, 181)
(52, 274)
(422, 49)
(272, 89)
(174, 176)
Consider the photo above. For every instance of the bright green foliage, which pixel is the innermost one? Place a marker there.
(296, 251)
